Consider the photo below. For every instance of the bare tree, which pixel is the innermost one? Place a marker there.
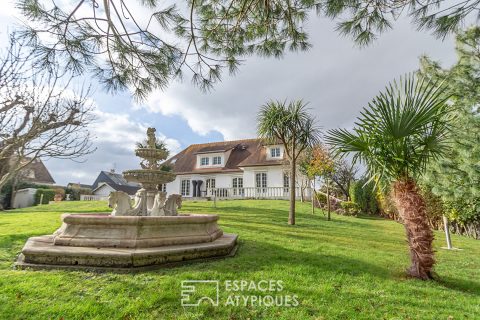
(40, 117)
(343, 174)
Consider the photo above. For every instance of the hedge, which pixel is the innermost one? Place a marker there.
(48, 195)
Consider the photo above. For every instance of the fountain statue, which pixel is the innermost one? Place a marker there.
(148, 200)
(146, 234)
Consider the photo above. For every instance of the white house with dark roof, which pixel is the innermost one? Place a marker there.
(108, 181)
(233, 169)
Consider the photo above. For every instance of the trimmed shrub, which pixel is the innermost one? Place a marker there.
(350, 208)
(364, 196)
(48, 195)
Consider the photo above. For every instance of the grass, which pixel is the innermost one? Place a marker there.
(348, 268)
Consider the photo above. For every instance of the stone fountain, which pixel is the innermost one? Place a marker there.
(146, 234)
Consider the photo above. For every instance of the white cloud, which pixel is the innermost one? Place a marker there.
(114, 136)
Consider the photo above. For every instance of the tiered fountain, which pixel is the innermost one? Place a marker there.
(149, 233)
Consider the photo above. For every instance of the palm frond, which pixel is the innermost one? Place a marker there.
(400, 130)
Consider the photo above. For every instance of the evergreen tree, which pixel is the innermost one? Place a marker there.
(456, 177)
(143, 45)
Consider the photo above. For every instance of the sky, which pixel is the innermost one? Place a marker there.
(335, 77)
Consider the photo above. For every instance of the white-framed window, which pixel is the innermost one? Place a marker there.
(237, 185)
(216, 160)
(210, 185)
(162, 187)
(204, 161)
(261, 182)
(275, 152)
(185, 187)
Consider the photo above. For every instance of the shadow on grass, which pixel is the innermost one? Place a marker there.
(258, 255)
(459, 285)
(369, 217)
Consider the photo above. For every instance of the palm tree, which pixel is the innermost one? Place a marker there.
(295, 128)
(396, 136)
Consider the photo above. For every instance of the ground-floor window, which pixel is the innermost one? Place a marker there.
(185, 187)
(261, 182)
(210, 185)
(162, 187)
(237, 185)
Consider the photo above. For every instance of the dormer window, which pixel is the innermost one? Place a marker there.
(217, 160)
(204, 161)
(275, 152)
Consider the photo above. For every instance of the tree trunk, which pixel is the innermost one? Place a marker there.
(14, 189)
(328, 200)
(411, 207)
(312, 193)
(291, 213)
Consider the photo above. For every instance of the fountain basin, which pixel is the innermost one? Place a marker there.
(104, 242)
(150, 153)
(149, 177)
(103, 231)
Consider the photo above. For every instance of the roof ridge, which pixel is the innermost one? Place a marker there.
(225, 141)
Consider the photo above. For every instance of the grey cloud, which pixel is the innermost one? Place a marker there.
(336, 77)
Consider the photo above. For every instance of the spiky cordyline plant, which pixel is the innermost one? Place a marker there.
(293, 126)
(396, 136)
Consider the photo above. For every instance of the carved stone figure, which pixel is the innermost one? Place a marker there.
(158, 204)
(120, 202)
(151, 139)
(173, 202)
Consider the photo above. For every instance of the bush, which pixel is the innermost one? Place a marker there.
(76, 192)
(364, 196)
(48, 195)
(350, 208)
(386, 206)
(322, 199)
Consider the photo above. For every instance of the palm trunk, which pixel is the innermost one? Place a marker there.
(411, 206)
(291, 213)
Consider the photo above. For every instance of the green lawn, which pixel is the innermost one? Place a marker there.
(348, 268)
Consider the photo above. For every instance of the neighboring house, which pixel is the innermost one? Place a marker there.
(232, 169)
(107, 182)
(36, 172)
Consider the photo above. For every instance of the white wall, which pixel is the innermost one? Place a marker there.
(274, 176)
(24, 198)
(224, 180)
(103, 190)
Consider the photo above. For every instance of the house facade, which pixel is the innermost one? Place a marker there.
(37, 173)
(108, 181)
(233, 169)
